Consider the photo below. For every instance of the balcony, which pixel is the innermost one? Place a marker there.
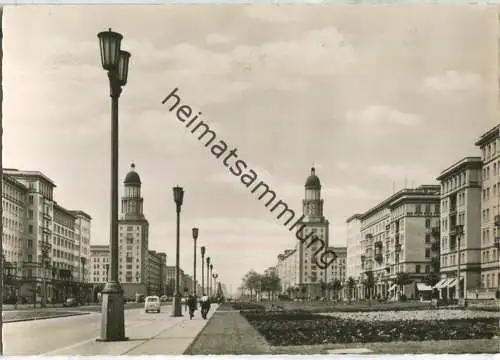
(378, 244)
(436, 231)
(47, 216)
(453, 209)
(46, 230)
(497, 220)
(378, 258)
(435, 246)
(387, 227)
(45, 246)
(30, 264)
(497, 242)
(368, 237)
(397, 247)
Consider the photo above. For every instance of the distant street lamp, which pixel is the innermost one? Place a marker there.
(202, 249)
(195, 237)
(115, 61)
(178, 198)
(107, 272)
(215, 276)
(211, 269)
(459, 232)
(208, 276)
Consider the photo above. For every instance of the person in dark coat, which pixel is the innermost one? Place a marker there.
(205, 306)
(192, 304)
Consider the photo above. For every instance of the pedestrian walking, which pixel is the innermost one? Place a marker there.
(205, 306)
(192, 304)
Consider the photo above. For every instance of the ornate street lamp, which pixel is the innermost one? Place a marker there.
(178, 199)
(208, 276)
(115, 61)
(195, 237)
(202, 249)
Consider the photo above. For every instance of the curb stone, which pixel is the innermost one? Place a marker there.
(45, 317)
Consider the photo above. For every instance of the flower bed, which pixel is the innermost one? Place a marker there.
(303, 328)
(441, 314)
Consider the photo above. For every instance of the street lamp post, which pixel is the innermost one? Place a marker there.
(115, 61)
(202, 249)
(211, 269)
(178, 198)
(107, 272)
(84, 289)
(459, 232)
(208, 274)
(215, 276)
(195, 237)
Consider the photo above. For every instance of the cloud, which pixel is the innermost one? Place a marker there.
(318, 52)
(218, 39)
(272, 13)
(452, 81)
(409, 172)
(377, 115)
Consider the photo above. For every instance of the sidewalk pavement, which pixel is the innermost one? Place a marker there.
(164, 335)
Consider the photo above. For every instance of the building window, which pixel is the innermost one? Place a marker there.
(427, 238)
(417, 269)
(427, 223)
(427, 253)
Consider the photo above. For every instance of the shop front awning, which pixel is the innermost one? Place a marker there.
(441, 284)
(453, 282)
(423, 287)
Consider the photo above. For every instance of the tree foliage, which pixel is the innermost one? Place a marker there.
(262, 283)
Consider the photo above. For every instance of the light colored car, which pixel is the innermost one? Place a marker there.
(183, 301)
(152, 303)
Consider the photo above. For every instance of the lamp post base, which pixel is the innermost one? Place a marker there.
(177, 306)
(112, 313)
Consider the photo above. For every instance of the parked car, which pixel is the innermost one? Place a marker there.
(183, 301)
(164, 298)
(70, 302)
(152, 303)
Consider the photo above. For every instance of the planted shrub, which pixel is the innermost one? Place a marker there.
(302, 328)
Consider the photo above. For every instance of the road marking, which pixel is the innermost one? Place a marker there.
(89, 340)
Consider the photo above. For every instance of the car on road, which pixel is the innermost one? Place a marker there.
(183, 301)
(70, 302)
(164, 298)
(152, 303)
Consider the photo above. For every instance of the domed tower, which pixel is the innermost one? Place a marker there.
(132, 202)
(313, 225)
(134, 238)
(313, 204)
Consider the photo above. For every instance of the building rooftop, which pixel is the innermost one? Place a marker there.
(488, 136)
(467, 162)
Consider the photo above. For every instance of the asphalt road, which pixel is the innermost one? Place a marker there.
(42, 336)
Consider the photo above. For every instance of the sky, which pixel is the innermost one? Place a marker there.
(371, 95)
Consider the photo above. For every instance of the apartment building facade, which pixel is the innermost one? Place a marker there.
(50, 258)
(354, 253)
(287, 270)
(157, 273)
(337, 269)
(396, 238)
(460, 227)
(489, 143)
